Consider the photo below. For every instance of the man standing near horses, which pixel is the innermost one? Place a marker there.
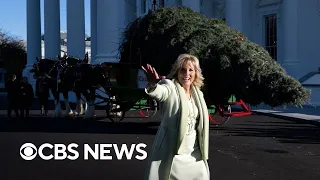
(27, 97)
(13, 92)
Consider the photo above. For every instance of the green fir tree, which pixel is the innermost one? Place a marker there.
(231, 64)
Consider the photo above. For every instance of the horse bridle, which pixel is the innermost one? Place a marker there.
(47, 75)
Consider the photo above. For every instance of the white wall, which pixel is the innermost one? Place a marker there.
(286, 39)
(309, 36)
(248, 19)
(173, 3)
(309, 43)
(207, 8)
(63, 48)
(256, 20)
(298, 34)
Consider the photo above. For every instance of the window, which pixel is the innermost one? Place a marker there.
(161, 3)
(271, 35)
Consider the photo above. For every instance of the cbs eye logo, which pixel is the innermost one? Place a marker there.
(28, 151)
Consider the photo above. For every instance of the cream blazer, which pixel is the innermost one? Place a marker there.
(170, 136)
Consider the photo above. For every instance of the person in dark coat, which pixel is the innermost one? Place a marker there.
(13, 92)
(42, 92)
(27, 97)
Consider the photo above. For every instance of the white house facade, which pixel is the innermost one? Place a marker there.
(288, 29)
(63, 47)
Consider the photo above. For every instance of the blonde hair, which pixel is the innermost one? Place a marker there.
(198, 81)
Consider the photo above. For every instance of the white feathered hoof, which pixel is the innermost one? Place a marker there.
(82, 111)
(89, 113)
(57, 111)
(68, 114)
(85, 109)
(79, 110)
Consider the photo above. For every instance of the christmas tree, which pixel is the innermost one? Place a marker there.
(231, 64)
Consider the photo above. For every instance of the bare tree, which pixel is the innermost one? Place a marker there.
(13, 55)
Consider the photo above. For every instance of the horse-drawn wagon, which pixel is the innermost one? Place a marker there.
(124, 87)
(119, 85)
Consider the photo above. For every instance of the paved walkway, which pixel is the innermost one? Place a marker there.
(309, 113)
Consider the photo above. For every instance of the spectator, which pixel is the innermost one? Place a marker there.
(27, 97)
(13, 92)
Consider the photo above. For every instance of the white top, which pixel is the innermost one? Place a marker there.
(191, 143)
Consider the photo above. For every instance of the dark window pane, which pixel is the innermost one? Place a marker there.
(161, 3)
(271, 35)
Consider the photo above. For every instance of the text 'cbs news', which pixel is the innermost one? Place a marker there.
(47, 151)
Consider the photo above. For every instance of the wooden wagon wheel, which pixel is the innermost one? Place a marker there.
(150, 108)
(221, 114)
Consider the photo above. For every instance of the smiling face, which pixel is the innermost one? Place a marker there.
(187, 74)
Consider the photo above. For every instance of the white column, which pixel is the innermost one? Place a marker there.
(126, 16)
(52, 28)
(289, 20)
(33, 36)
(93, 26)
(75, 28)
(130, 13)
(234, 15)
(192, 4)
(107, 31)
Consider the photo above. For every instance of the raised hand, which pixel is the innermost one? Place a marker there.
(151, 73)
